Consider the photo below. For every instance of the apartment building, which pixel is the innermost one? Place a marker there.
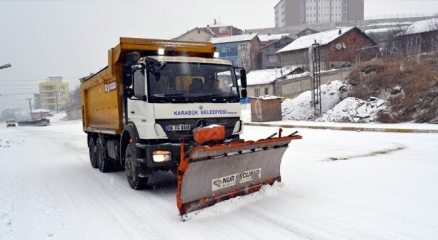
(296, 12)
(241, 50)
(53, 94)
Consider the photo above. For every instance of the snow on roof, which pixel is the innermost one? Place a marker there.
(40, 111)
(389, 24)
(379, 30)
(422, 26)
(267, 76)
(268, 97)
(236, 38)
(270, 37)
(322, 38)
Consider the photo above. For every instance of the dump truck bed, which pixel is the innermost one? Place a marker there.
(101, 103)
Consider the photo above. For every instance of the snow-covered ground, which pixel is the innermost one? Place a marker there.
(354, 110)
(336, 185)
(333, 109)
(300, 107)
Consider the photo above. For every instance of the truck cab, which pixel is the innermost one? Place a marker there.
(170, 96)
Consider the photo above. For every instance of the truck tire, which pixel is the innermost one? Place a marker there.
(92, 150)
(132, 172)
(103, 162)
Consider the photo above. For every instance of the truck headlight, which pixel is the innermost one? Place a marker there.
(161, 156)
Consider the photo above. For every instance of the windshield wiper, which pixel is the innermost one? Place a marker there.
(169, 95)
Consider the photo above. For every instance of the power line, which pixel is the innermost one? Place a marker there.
(44, 79)
(17, 94)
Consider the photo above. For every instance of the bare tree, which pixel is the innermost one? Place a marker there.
(392, 44)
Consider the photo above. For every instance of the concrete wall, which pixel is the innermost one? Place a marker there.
(291, 88)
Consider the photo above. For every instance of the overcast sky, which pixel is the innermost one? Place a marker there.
(71, 38)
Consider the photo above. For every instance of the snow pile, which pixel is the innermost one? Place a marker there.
(300, 107)
(57, 117)
(354, 110)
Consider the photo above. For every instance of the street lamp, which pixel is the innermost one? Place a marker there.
(5, 66)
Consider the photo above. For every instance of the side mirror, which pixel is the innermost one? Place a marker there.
(127, 76)
(243, 78)
(130, 59)
(243, 93)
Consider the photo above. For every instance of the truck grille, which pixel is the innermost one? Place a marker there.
(182, 128)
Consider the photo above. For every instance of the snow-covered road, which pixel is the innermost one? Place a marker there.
(383, 186)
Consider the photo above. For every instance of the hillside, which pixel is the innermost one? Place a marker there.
(409, 86)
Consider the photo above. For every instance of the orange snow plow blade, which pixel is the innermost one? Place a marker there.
(211, 174)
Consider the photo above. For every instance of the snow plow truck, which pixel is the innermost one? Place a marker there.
(175, 106)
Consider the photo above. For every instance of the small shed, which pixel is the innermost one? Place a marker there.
(265, 109)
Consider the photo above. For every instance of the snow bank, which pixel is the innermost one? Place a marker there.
(354, 110)
(300, 108)
(57, 117)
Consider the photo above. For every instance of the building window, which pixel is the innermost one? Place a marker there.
(266, 91)
(244, 48)
(273, 59)
(257, 92)
(222, 30)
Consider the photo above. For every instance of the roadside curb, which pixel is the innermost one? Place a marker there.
(345, 128)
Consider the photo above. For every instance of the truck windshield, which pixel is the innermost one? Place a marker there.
(193, 82)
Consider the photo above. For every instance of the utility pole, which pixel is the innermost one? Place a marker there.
(315, 73)
(30, 107)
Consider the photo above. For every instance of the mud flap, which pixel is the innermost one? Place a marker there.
(212, 174)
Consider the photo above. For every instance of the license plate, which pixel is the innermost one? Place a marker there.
(180, 127)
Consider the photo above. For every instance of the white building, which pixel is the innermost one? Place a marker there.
(296, 12)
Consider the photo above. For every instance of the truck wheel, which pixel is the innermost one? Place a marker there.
(92, 150)
(103, 162)
(132, 171)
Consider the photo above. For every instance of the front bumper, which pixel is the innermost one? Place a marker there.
(144, 155)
